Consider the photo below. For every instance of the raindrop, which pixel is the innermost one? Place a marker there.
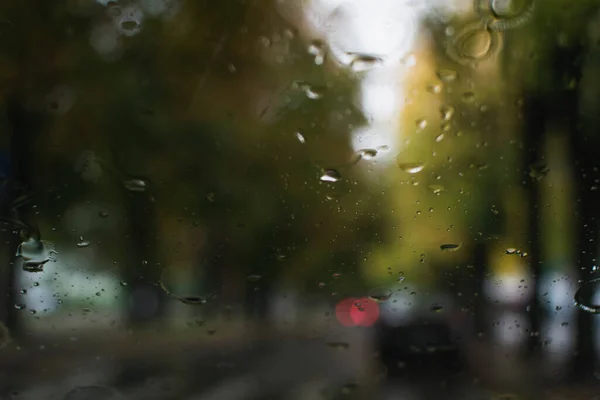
(103, 214)
(410, 60)
(123, 283)
(23, 291)
(94, 393)
(83, 243)
(502, 15)
(314, 93)
(136, 185)
(88, 166)
(129, 25)
(316, 47)
(35, 254)
(20, 306)
(439, 137)
(113, 9)
(437, 307)
(435, 88)
(514, 251)
(421, 124)
(254, 278)
(192, 300)
(585, 297)
(330, 175)
(538, 171)
(447, 112)
(171, 276)
(450, 247)
(436, 189)
(380, 294)
(447, 75)
(411, 167)
(364, 62)
(474, 42)
(468, 97)
(367, 154)
(300, 137)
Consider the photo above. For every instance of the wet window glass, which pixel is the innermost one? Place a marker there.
(283, 199)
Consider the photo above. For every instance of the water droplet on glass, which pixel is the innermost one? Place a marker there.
(113, 9)
(103, 214)
(585, 297)
(123, 283)
(136, 185)
(317, 49)
(170, 282)
(411, 167)
(450, 247)
(435, 88)
(380, 294)
(505, 14)
(439, 137)
(23, 291)
(437, 307)
(364, 62)
(514, 251)
(314, 93)
(367, 154)
(88, 165)
(300, 137)
(83, 243)
(468, 97)
(94, 393)
(447, 75)
(254, 278)
(192, 300)
(421, 123)
(436, 189)
(474, 42)
(447, 112)
(410, 60)
(20, 306)
(330, 175)
(129, 25)
(35, 254)
(538, 171)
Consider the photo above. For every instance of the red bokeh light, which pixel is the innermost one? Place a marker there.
(357, 312)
